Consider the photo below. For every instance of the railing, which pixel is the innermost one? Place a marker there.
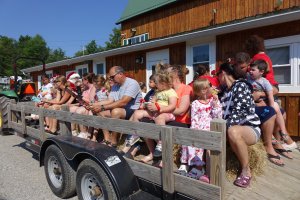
(213, 140)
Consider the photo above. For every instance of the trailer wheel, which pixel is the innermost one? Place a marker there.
(93, 183)
(59, 173)
(4, 101)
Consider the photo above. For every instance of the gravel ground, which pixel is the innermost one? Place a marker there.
(21, 177)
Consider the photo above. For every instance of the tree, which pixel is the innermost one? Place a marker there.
(56, 55)
(114, 40)
(8, 51)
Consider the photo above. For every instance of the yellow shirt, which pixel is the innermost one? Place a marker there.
(162, 97)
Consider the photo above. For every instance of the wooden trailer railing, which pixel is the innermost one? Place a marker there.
(213, 140)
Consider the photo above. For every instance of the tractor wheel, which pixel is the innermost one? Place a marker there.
(93, 183)
(59, 173)
(4, 101)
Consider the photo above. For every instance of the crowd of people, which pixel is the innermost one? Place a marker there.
(242, 92)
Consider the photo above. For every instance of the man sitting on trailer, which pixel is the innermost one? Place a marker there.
(123, 100)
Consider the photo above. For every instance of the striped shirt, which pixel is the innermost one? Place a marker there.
(238, 105)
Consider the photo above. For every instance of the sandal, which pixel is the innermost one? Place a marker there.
(105, 142)
(284, 136)
(284, 153)
(182, 170)
(242, 181)
(272, 157)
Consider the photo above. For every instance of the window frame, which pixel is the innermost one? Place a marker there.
(294, 43)
(104, 68)
(77, 68)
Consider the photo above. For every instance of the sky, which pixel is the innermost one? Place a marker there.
(65, 24)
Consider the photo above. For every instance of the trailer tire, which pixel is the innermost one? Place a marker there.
(59, 173)
(4, 101)
(93, 183)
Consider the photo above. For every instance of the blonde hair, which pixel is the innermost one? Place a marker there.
(103, 82)
(164, 78)
(200, 84)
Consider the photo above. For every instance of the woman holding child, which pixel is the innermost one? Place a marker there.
(239, 112)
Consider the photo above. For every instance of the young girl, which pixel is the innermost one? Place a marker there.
(204, 109)
(160, 108)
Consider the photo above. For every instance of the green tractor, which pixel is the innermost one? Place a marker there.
(19, 91)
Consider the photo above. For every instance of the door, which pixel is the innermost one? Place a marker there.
(153, 58)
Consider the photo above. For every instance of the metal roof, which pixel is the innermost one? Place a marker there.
(238, 25)
(138, 7)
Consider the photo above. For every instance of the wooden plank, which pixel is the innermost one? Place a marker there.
(196, 189)
(145, 171)
(218, 158)
(65, 127)
(9, 115)
(167, 159)
(15, 107)
(23, 120)
(31, 109)
(17, 127)
(42, 125)
(292, 111)
(198, 138)
(33, 132)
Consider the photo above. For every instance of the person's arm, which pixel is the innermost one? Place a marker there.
(64, 99)
(118, 104)
(270, 98)
(164, 109)
(275, 90)
(183, 106)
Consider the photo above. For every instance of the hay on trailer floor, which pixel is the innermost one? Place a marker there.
(257, 161)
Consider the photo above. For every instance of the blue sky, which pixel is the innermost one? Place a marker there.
(68, 24)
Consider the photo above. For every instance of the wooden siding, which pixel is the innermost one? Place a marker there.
(291, 104)
(195, 14)
(137, 70)
(229, 44)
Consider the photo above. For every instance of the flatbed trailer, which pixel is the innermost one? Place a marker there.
(95, 171)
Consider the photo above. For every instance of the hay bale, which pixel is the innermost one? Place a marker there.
(257, 161)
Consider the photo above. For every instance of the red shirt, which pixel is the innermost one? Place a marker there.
(270, 75)
(213, 80)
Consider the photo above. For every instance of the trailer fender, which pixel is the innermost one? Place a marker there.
(117, 169)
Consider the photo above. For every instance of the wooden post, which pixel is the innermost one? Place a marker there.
(167, 161)
(43, 136)
(13, 116)
(23, 120)
(65, 127)
(218, 159)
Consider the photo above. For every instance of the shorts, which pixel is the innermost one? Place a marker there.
(129, 112)
(256, 131)
(265, 113)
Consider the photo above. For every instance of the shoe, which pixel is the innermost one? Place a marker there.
(242, 181)
(84, 135)
(284, 153)
(131, 140)
(290, 146)
(204, 179)
(271, 159)
(74, 133)
(183, 170)
(195, 173)
(157, 152)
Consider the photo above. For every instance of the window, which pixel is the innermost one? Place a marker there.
(285, 55)
(100, 69)
(280, 57)
(136, 39)
(82, 69)
(200, 56)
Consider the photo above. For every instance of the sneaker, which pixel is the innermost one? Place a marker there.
(157, 152)
(183, 170)
(84, 135)
(290, 146)
(131, 140)
(74, 133)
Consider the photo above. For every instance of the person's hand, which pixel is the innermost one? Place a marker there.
(215, 100)
(95, 109)
(260, 102)
(151, 107)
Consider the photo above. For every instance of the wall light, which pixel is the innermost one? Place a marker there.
(139, 60)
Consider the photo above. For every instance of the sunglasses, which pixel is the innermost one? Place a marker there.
(113, 76)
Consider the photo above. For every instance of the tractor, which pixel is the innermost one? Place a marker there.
(19, 91)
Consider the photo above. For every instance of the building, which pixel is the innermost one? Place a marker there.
(190, 32)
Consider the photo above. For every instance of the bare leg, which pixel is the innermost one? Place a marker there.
(240, 137)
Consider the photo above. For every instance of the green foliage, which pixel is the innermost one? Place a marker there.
(56, 55)
(114, 39)
(8, 51)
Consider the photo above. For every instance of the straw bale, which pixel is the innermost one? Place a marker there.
(257, 161)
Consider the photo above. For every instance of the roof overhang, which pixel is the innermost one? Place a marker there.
(212, 31)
